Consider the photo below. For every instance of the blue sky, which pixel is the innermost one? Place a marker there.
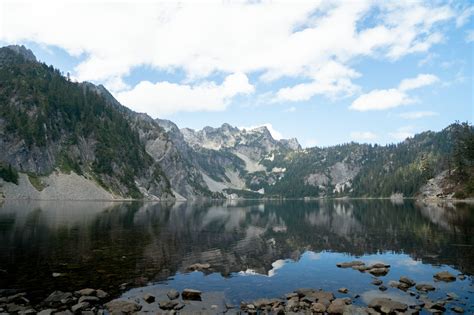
(325, 73)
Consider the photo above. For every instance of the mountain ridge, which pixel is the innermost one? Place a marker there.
(51, 126)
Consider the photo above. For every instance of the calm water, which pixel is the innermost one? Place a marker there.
(255, 249)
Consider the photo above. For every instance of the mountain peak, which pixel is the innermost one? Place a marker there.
(22, 51)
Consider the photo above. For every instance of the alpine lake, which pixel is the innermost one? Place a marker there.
(242, 255)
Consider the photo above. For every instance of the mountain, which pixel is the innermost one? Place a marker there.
(66, 140)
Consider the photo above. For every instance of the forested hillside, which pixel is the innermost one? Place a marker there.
(51, 125)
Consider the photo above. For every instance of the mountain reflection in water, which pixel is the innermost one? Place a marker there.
(102, 245)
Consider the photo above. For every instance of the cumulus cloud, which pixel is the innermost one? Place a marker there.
(164, 98)
(418, 114)
(391, 98)
(272, 39)
(363, 136)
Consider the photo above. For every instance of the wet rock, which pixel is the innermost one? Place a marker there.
(407, 281)
(48, 311)
(172, 294)
(377, 281)
(101, 294)
(80, 306)
(293, 304)
(149, 298)
(457, 309)
(461, 277)
(445, 276)
(198, 267)
(343, 290)
(424, 287)
(379, 271)
(361, 268)
(168, 305)
(387, 306)
(350, 264)
(121, 306)
(29, 311)
(383, 288)
(87, 291)
(291, 295)
(262, 303)
(191, 294)
(318, 307)
(322, 295)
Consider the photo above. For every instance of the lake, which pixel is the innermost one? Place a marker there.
(254, 249)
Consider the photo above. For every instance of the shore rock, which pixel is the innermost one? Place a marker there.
(387, 306)
(377, 281)
(190, 294)
(121, 306)
(424, 287)
(172, 294)
(87, 291)
(379, 271)
(343, 290)
(168, 305)
(198, 267)
(409, 282)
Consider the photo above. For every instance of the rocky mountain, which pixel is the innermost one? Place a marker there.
(66, 140)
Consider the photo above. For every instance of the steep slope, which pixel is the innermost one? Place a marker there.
(49, 124)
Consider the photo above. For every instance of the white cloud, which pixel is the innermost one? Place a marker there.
(402, 133)
(470, 36)
(391, 98)
(275, 133)
(291, 109)
(380, 100)
(464, 17)
(415, 83)
(274, 39)
(418, 115)
(363, 136)
(164, 98)
(331, 79)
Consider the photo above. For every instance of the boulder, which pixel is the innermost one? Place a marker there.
(409, 282)
(89, 299)
(168, 305)
(379, 271)
(387, 306)
(121, 307)
(101, 294)
(318, 307)
(383, 288)
(172, 294)
(343, 290)
(191, 294)
(377, 281)
(80, 307)
(445, 276)
(87, 291)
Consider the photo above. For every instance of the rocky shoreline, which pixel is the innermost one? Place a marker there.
(90, 301)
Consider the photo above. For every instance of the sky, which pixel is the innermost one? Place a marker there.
(325, 72)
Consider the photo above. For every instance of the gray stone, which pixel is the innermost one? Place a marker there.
(343, 290)
(87, 291)
(101, 294)
(386, 305)
(457, 309)
(198, 267)
(172, 294)
(121, 306)
(318, 308)
(48, 311)
(89, 299)
(168, 305)
(409, 282)
(377, 281)
(383, 288)
(379, 271)
(79, 306)
(191, 294)
(424, 287)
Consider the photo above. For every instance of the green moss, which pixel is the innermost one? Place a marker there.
(36, 182)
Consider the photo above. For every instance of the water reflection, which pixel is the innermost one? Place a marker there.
(93, 244)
